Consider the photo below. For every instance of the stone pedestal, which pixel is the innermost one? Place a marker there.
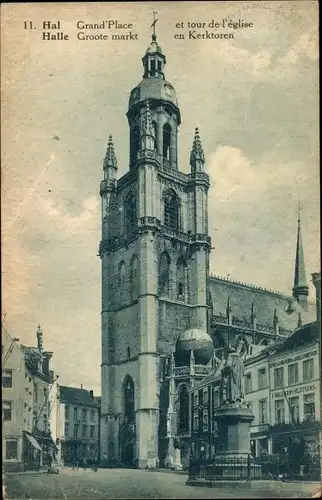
(173, 460)
(234, 430)
(177, 459)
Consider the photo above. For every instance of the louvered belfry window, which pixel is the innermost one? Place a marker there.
(171, 211)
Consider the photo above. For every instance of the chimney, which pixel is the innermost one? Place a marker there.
(91, 393)
(81, 386)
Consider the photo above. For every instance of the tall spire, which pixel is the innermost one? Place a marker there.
(300, 288)
(197, 157)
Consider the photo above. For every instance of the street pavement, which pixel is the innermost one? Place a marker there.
(126, 483)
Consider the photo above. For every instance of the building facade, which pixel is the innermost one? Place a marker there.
(295, 392)
(13, 399)
(26, 383)
(39, 445)
(156, 287)
(79, 426)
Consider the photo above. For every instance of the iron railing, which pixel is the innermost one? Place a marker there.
(235, 468)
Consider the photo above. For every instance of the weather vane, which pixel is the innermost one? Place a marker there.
(155, 20)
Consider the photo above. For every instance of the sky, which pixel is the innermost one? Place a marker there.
(254, 99)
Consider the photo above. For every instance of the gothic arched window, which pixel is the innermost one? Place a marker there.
(134, 278)
(181, 279)
(130, 213)
(171, 210)
(164, 273)
(128, 399)
(184, 409)
(166, 141)
(122, 282)
(134, 144)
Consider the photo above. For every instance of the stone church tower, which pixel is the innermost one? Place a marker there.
(155, 257)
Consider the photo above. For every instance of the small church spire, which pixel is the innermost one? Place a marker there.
(300, 288)
(197, 157)
(110, 161)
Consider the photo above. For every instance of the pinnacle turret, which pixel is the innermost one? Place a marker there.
(228, 308)
(147, 130)
(197, 157)
(110, 160)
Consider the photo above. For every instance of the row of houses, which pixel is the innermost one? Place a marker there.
(282, 387)
(43, 421)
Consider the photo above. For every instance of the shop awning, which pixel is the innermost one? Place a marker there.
(33, 442)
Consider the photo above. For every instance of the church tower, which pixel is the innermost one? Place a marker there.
(155, 256)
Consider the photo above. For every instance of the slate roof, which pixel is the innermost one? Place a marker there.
(303, 335)
(242, 296)
(76, 396)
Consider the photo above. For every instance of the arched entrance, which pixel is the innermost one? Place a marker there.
(127, 428)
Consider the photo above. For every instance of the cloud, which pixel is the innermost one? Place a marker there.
(231, 173)
(266, 65)
(72, 223)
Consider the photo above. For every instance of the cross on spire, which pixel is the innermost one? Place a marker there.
(155, 20)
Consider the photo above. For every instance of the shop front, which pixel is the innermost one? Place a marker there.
(298, 445)
(31, 452)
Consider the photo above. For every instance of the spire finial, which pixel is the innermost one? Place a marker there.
(110, 157)
(155, 20)
(299, 208)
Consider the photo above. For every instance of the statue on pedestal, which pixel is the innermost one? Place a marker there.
(231, 388)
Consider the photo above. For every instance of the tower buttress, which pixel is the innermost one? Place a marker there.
(200, 264)
(300, 288)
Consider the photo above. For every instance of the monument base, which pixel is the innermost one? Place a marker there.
(233, 466)
(218, 484)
